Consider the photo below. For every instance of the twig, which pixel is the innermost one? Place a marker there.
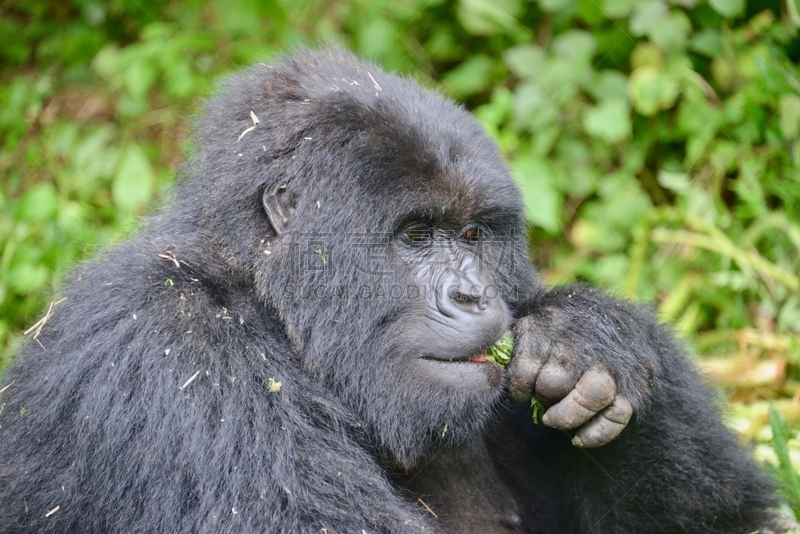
(253, 127)
(428, 508)
(8, 386)
(37, 327)
(170, 258)
(185, 384)
(378, 87)
(40, 323)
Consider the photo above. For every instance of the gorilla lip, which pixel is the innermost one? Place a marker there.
(466, 372)
(481, 358)
(475, 358)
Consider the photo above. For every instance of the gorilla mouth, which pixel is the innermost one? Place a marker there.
(476, 358)
(466, 372)
(480, 358)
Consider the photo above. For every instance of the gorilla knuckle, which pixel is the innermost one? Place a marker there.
(597, 389)
(554, 382)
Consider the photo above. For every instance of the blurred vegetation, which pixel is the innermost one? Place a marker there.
(656, 142)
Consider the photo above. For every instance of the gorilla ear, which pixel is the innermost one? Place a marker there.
(280, 206)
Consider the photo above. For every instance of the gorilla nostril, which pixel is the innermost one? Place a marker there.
(467, 298)
(462, 298)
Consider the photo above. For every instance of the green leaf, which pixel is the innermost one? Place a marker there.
(488, 17)
(617, 9)
(749, 187)
(538, 410)
(139, 78)
(576, 44)
(133, 183)
(646, 16)
(40, 203)
(107, 62)
(496, 111)
(26, 272)
(242, 18)
(500, 352)
(793, 8)
(561, 74)
(607, 84)
(678, 182)
(130, 106)
(555, 6)
(542, 201)
(376, 36)
(179, 79)
(591, 13)
(93, 158)
(472, 76)
(651, 90)
(528, 97)
(610, 271)
(789, 108)
(24, 278)
(672, 32)
(724, 155)
(708, 42)
(608, 121)
(728, 8)
(780, 444)
(646, 53)
(624, 202)
(526, 60)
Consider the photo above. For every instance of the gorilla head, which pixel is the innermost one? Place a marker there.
(379, 223)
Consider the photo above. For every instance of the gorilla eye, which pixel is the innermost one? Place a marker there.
(472, 235)
(418, 236)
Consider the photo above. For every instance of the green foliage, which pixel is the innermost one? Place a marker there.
(781, 434)
(500, 352)
(656, 142)
(537, 410)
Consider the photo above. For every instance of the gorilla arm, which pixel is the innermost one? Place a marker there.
(616, 379)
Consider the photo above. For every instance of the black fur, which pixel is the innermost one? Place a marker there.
(213, 376)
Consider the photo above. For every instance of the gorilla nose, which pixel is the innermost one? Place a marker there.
(462, 293)
(472, 309)
(468, 297)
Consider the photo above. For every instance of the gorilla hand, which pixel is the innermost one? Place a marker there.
(588, 358)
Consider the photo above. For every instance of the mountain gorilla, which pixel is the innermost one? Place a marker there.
(297, 344)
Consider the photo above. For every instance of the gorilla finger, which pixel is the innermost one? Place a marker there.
(597, 389)
(593, 392)
(620, 411)
(606, 426)
(568, 414)
(554, 383)
(522, 373)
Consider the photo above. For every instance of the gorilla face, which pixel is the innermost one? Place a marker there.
(387, 238)
(461, 314)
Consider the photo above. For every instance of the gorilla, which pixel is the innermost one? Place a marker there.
(296, 343)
